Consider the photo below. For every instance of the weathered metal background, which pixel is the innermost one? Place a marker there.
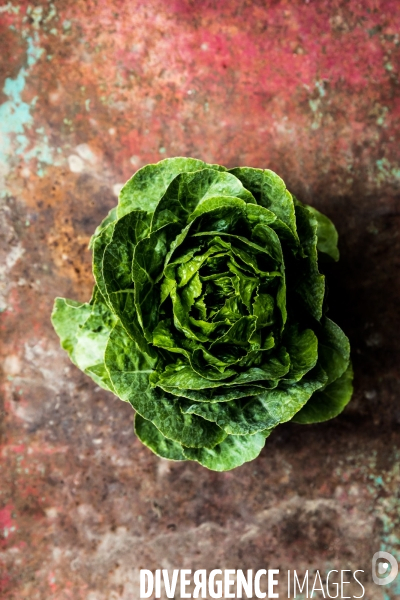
(92, 90)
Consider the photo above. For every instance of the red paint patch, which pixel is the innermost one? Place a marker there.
(7, 525)
(6, 521)
(19, 449)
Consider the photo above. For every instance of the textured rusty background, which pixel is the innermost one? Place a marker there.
(92, 90)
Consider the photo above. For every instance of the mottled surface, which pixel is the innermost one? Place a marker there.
(92, 90)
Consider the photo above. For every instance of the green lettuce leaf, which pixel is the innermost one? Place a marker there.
(329, 402)
(270, 191)
(84, 330)
(309, 284)
(233, 452)
(110, 218)
(145, 189)
(236, 417)
(151, 437)
(98, 244)
(302, 347)
(327, 234)
(265, 411)
(191, 194)
(129, 371)
(333, 350)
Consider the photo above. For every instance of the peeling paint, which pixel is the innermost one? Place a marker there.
(16, 118)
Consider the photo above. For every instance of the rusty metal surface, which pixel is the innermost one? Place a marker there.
(90, 92)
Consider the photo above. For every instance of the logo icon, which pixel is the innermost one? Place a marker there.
(378, 570)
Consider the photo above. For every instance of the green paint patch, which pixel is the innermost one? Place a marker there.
(387, 173)
(16, 121)
(10, 9)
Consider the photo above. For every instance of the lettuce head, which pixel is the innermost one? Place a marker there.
(208, 312)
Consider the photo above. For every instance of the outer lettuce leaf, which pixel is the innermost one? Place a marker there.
(123, 304)
(310, 284)
(116, 272)
(67, 318)
(326, 233)
(237, 417)
(148, 185)
(218, 394)
(118, 254)
(284, 402)
(302, 347)
(328, 403)
(83, 330)
(265, 411)
(333, 349)
(99, 243)
(129, 371)
(229, 454)
(270, 191)
(151, 437)
(188, 192)
(110, 218)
